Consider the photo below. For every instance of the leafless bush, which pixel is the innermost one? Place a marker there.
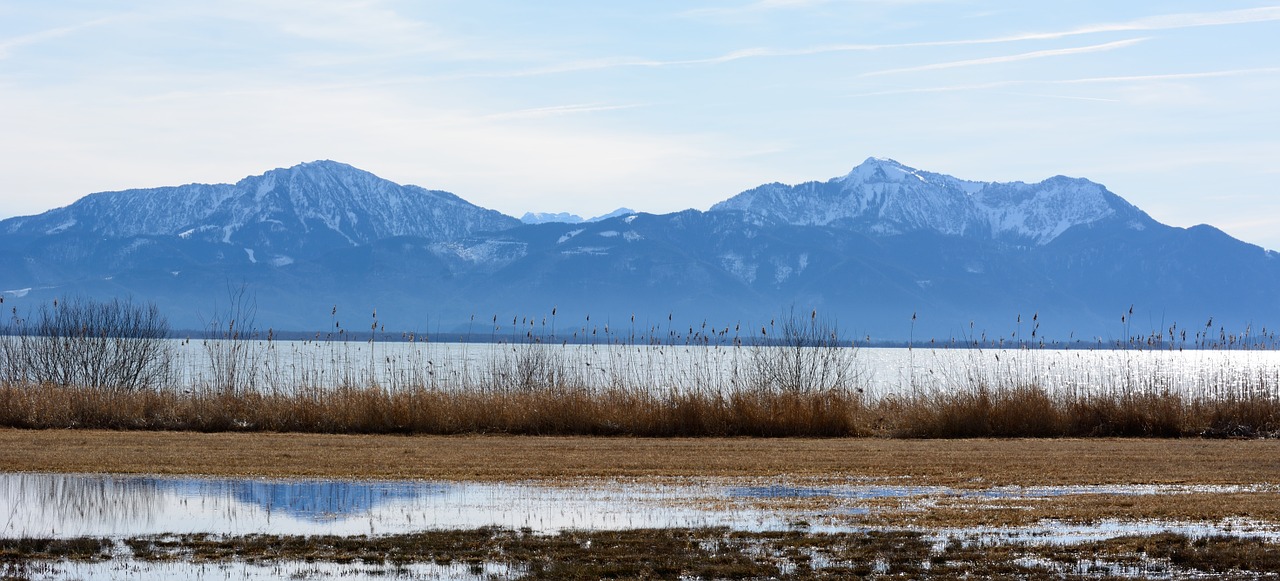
(800, 354)
(83, 342)
(532, 366)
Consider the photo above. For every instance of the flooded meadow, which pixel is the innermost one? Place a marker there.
(118, 527)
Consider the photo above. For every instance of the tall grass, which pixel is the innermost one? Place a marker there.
(797, 378)
(1025, 411)
(432, 411)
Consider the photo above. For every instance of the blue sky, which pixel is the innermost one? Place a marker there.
(659, 106)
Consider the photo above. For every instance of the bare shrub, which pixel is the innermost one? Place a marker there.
(83, 342)
(530, 366)
(801, 355)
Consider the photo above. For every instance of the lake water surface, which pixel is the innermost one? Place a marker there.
(283, 365)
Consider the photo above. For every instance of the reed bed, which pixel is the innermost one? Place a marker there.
(1018, 411)
(373, 410)
(795, 377)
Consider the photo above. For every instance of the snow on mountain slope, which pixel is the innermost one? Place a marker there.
(567, 218)
(550, 217)
(327, 198)
(883, 197)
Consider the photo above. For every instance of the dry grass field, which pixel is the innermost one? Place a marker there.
(959, 463)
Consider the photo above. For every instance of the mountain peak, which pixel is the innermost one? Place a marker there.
(280, 210)
(318, 169)
(569, 218)
(322, 163)
(879, 169)
(884, 197)
(884, 162)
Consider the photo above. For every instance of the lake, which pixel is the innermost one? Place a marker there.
(287, 365)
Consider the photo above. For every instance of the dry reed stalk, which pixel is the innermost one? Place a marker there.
(1018, 411)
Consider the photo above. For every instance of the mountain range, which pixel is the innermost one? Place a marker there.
(567, 218)
(889, 251)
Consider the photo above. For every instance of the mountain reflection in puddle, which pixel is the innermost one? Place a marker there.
(64, 506)
(68, 505)
(57, 505)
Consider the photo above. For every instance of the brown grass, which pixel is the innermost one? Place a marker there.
(965, 463)
(431, 411)
(1025, 411)
(1033, 412)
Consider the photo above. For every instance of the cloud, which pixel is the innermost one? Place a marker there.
(7, 46)
(771, 5)
(1082, 81)
(1039, 54)
(554, 111)
(1151, 23)
(1174, 21)
(1174, 76)
(353, 22)
(1068, 97)
(758, 6)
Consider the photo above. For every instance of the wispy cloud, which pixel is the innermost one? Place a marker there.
(1174, 21)
(1068, 97)
(758, 6)
(7, 46)
(1082, 81)
(554, 111)
(1174, 76)
(1151, 23)
(772, 5)
(354, 22)
(1039, 54)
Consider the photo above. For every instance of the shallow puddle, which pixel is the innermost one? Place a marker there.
(68, 506)
(135, 570)
(126, 510)
(71, 506)
(1065, 533)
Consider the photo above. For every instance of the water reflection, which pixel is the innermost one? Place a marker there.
(316, 501)
(71, 505)
(63, 506)
(858, 492)
(67, 506)
(57, 505)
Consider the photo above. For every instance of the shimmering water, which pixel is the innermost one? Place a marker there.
(70, 505)
(288, 365)
(123, 507)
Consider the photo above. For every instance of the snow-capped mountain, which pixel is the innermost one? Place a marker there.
(550, 217)
(567, 218)
(311, 206)
(885, 248)
(884, 197)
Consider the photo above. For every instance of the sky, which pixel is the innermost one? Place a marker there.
(587, 106)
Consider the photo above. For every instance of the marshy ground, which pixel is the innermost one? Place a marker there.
(1226, 487)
